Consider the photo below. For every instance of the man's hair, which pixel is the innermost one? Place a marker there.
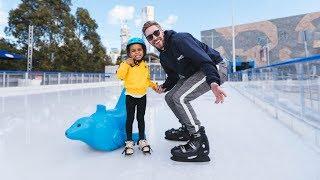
(148, 24)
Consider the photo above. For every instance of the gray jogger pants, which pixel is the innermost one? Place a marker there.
(179, 97)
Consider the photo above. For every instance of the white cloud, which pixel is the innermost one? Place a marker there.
(3, 21)
(106, 44)
(3, 15)
(2, 35)
(3, 18)
(120, 13)
(169, 22)
(138, 22)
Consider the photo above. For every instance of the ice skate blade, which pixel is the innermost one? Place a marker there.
(171, 139)
(197, 159)
(127, 154)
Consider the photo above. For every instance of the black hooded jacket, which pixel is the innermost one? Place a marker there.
(184, 55)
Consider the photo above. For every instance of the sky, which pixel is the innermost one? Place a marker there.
(191, 16)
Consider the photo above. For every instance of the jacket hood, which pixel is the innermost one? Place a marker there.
(167, 38)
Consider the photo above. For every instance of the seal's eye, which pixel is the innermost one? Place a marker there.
(78, 125)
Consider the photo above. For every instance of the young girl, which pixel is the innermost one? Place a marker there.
(136, 76)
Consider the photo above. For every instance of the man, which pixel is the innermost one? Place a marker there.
(191, 71)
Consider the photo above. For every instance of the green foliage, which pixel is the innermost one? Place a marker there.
(8, 64)
(62, 41)
(122, 57)
(119, 60)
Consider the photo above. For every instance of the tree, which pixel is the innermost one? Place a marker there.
(86, 30)
(108, 60)
(62, 41)
(122, 57)
(119, 60)
(76, 54)
(11, 64)
(48, 18)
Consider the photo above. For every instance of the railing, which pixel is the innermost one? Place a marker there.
(21, 78)
(156, 72)
(292, 86)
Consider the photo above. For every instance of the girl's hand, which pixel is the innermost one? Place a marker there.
(159, 89)
(130, 61)
(155, 87)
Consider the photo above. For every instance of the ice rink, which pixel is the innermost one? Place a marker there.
(246, 143)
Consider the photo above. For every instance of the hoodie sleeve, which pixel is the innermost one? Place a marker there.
(171, 80)
(191, 49)
(122, 70)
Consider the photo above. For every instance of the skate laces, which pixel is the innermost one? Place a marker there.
(144, 146)
(187, 146)
(190, 143)
(128, 148)
(195, 135)
(180, 129)
(129, 144)
(143, 143)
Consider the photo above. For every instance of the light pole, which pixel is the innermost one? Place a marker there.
(263, 41)
(212, 36)
(305, 43)
(267, 51)
(212, 39)
(30, 48)
(233, 39)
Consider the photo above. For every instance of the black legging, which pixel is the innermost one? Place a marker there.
(131, 104)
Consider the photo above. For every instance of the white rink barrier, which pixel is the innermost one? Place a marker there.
(16, 91)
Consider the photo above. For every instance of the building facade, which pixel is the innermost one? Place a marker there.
(114, 54)
(147, 14)
(270, 41)
(124, 35)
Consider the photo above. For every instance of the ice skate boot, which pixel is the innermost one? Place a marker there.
(196, 150)
(144, 146)
(180, 134)
(128, 149)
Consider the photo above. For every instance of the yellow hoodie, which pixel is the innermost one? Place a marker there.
(136, 79)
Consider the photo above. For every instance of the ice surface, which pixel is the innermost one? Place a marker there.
(246, 143)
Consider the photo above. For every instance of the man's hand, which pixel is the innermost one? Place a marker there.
(159, 89)
(218, 93)
(130, 61)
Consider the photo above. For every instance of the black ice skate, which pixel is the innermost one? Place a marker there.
(180, 134)
(196, 150)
